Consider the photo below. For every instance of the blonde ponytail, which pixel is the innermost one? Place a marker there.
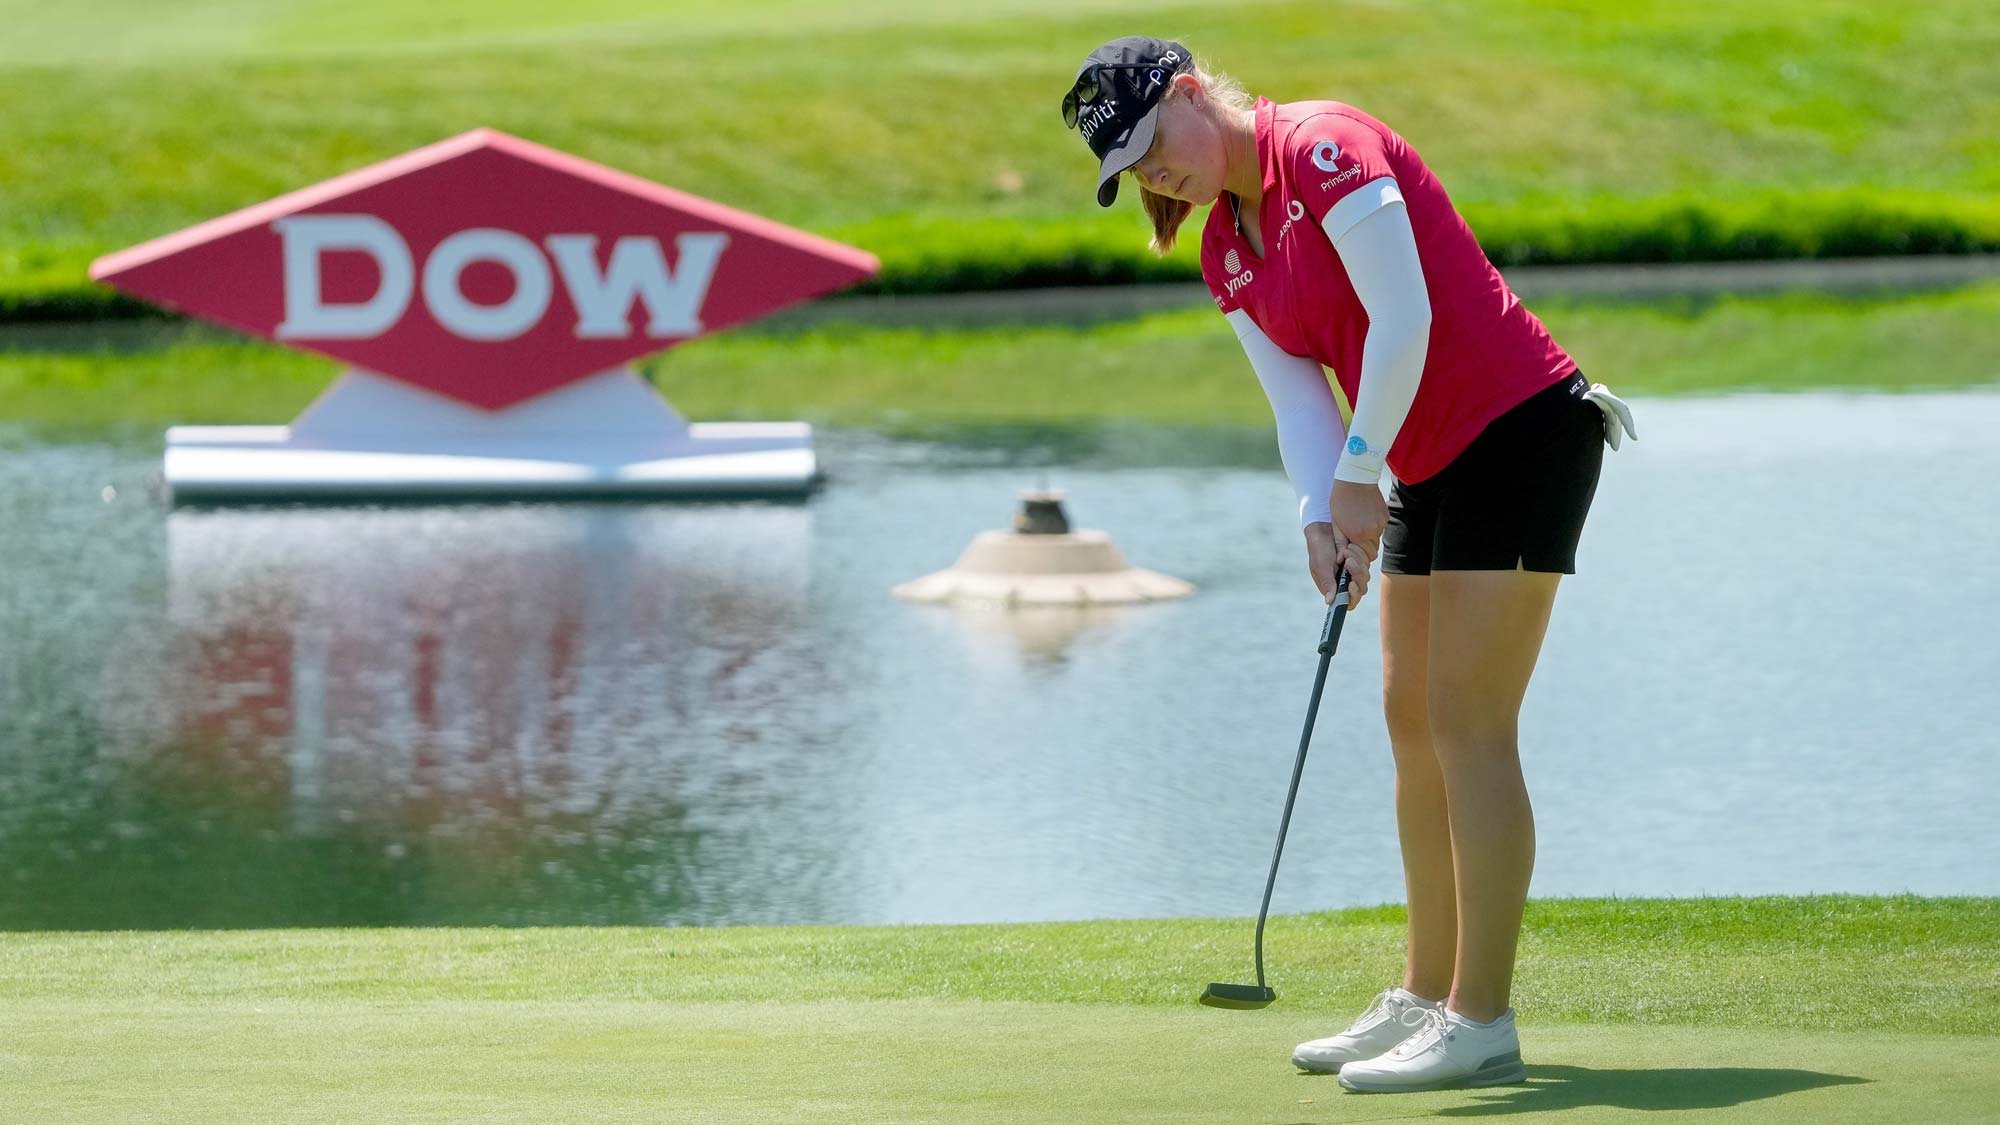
(1167, 214)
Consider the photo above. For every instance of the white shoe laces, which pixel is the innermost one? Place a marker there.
(1379, 1009)
(1435, 1026)
(1385, 1007)
(1376, 1007)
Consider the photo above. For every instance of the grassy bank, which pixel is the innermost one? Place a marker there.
(1839, 1007)
(1174, 367)
(1567, 133)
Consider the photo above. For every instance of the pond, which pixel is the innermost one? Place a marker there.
(1775, 672)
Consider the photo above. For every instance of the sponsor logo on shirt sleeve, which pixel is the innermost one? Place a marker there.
(1335, 181)
(1326, 158)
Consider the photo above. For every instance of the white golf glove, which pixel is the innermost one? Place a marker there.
(1617, 415)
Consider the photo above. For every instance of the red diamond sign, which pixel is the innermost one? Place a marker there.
(485, 267)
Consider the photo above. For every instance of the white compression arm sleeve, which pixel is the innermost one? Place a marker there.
(1310, 431)
(1370, 230)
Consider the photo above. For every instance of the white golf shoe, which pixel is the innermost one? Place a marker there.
(1448, 1051)
(1394, 1015)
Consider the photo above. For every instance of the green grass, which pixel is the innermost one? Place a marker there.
(929, 134)
(1174, 367)
(1833, 1007)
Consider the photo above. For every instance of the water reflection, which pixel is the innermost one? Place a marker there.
(507, 714)
(717, 714)
(1039, 636)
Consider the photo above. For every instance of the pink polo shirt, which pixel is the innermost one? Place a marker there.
(1486, 352)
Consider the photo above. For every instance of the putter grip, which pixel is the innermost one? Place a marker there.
(1329, 635)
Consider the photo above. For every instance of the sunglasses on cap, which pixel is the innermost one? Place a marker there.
(1086, 89)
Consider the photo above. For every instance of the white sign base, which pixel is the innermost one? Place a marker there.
(369, 436)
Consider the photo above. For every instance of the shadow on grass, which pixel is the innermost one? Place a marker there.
(1567, 1087)
(1711, 1087)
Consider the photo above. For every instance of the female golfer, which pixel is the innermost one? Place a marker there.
(1328, 241)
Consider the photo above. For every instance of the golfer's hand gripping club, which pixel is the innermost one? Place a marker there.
(1329, 636)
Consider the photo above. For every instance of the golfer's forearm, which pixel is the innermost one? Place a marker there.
(1310, 431)
(1380, 255)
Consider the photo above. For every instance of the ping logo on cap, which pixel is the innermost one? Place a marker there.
(1167, 62)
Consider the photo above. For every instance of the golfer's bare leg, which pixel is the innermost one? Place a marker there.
(1486, 631)
(1421, 814)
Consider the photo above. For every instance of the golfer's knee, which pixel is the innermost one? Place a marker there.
(1409, 721)
(1463, 736)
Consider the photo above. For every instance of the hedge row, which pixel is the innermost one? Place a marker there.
(927, 253)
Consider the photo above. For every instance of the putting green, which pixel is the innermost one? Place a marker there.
(1823, 1008)
(906, 1061)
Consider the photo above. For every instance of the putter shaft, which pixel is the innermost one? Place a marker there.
(1329, 640)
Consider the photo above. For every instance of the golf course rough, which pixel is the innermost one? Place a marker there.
(1600, 132)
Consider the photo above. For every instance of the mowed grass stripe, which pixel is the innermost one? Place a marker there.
(1175, 367)
(1908, 963)
(909, 1061)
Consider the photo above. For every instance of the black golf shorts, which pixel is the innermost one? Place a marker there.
(1514, 499)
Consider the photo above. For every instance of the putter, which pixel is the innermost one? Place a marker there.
(1247, 996)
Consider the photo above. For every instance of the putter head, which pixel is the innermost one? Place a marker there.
(1242, 996)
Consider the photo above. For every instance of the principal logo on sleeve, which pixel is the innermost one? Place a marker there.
(1335, 181)
(1326, 158)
